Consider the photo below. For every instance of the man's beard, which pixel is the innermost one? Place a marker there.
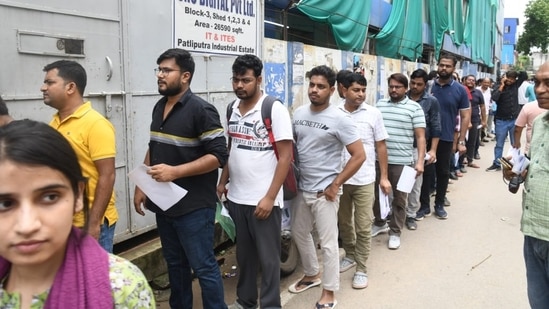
(244, 95)
(170, 91)
(444, 75)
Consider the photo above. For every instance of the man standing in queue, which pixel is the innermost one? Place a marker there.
(256, 175)
(453, 100)
(92, 137)
(321, 131)
(187, 146)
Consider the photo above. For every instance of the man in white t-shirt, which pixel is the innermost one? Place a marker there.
(256, 177)
(358, 192)
(321, 131)
(487, 94)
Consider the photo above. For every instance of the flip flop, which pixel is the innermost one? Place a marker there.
(307, 285)
(326, 306)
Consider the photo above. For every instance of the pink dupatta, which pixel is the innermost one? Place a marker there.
(82, 281)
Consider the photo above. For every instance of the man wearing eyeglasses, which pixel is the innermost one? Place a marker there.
(187, 146)
(404, 119)
(256, 175)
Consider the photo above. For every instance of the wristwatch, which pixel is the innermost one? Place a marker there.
(461, 143)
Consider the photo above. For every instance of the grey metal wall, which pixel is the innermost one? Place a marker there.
(118, 43)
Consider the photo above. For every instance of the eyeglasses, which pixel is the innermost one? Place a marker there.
(245, 80)
(163, 71)
(395, 86)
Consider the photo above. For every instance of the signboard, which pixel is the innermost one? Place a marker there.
(216, 26)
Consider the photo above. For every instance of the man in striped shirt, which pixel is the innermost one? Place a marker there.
(404, 119)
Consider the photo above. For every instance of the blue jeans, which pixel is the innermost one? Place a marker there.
(536, 258)
(106, 235)
(187, 243)
(503, 128)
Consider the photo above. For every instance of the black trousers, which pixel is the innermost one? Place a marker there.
(444, 153)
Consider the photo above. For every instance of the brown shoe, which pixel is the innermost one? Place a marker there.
(473, 165)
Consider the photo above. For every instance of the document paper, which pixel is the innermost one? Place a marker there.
(163, 194)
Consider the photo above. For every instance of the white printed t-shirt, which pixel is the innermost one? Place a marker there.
(252, 161)
(371, 129)
(320, 139)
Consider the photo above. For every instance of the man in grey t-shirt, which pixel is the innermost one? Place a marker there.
(321, 131)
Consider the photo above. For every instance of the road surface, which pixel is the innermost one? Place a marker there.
(471, 260)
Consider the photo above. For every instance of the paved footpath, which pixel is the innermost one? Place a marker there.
(471, 260)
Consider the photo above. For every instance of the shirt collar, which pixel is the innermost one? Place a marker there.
(341, 106)
(78, 113)
(423, 95)
(452, 81)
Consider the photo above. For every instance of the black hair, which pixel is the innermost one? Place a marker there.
(433, 74)
(247, 62)
(354, 78)
(399, 78)
(420, 73)
(511, 74)
(33, 143)
(470, 75)
(325, 71)
(3, 108)
(448, 56)
(182, 58)
(341, 78)
(70, 71)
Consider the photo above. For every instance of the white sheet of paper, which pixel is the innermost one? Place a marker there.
(224, 210)
(407, 179)
(456, 157)
(519, 160)
(384, 206)
(163, 194)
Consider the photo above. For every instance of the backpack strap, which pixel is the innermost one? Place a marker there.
(266, 112)
(230, 110)
(229, 114)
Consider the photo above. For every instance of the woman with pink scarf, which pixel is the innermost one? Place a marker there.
(45, 262)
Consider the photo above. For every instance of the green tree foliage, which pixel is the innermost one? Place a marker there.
(536, 28)
(523, 63)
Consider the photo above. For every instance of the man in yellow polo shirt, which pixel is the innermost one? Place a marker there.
(92, 138)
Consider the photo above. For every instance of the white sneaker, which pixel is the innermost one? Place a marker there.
(346, 264)
(360, 280)
(376, 230)
(394, 242)
(235, 305)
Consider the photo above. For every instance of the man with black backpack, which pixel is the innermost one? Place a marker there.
(260, 154)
